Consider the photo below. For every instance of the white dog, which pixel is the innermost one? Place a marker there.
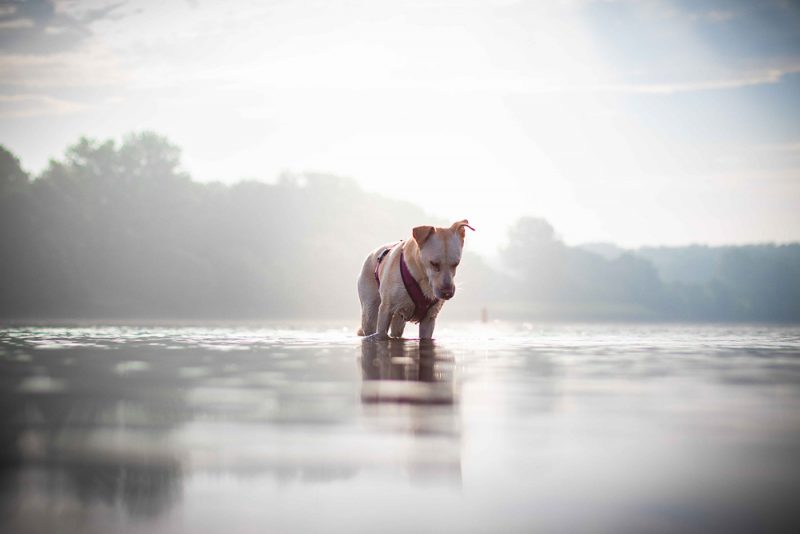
(410, 280)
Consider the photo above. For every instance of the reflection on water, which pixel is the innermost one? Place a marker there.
(407, 386)
(399, 370)
(79, 435)
(490, 428)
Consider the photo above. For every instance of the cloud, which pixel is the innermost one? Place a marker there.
(736, 80)
(669, 42)
(28, 105)
(45, 27)
(93, 67)
(790, 148)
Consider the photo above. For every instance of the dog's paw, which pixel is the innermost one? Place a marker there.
(376, 337)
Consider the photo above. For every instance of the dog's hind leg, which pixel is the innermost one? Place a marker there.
(384, 318)
(398, 325)
(369, 316)
(370, 299)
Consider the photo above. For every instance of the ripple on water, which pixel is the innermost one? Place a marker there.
(131, 366)
(42, 385)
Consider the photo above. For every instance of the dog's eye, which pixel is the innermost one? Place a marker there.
(455, 265)
(435, 266)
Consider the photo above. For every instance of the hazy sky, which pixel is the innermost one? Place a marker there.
(641, 122)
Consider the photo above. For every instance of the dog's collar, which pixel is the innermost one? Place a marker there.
(422, 304)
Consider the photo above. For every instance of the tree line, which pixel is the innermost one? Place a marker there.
(118, 231)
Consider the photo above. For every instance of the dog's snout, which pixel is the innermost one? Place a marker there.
(447, 292)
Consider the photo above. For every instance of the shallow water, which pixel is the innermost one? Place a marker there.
(492, 428)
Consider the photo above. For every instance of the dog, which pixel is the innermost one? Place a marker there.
(410, 281)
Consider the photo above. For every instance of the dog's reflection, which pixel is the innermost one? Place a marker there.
(408, 391)
(406, 371)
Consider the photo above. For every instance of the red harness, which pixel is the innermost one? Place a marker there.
(422, 304)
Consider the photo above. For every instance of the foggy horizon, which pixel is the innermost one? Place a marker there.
(119, 230)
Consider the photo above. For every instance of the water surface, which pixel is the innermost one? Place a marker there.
(491, 428)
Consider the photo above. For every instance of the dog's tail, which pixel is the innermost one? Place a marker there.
(360, 332)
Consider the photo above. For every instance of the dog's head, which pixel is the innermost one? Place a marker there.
(440, 254)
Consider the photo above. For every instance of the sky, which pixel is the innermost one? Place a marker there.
(631, 122)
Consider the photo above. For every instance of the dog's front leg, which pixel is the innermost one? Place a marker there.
(426, 327)
(398, 325)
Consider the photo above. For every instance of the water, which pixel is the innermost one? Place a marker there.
(492, 428)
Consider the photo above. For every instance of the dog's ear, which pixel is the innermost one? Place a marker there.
(422, 233)
(459, 226)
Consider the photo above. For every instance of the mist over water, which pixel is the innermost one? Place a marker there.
(120, 231)
(304, 427)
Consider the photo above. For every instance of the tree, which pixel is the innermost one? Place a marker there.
(12, 177)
